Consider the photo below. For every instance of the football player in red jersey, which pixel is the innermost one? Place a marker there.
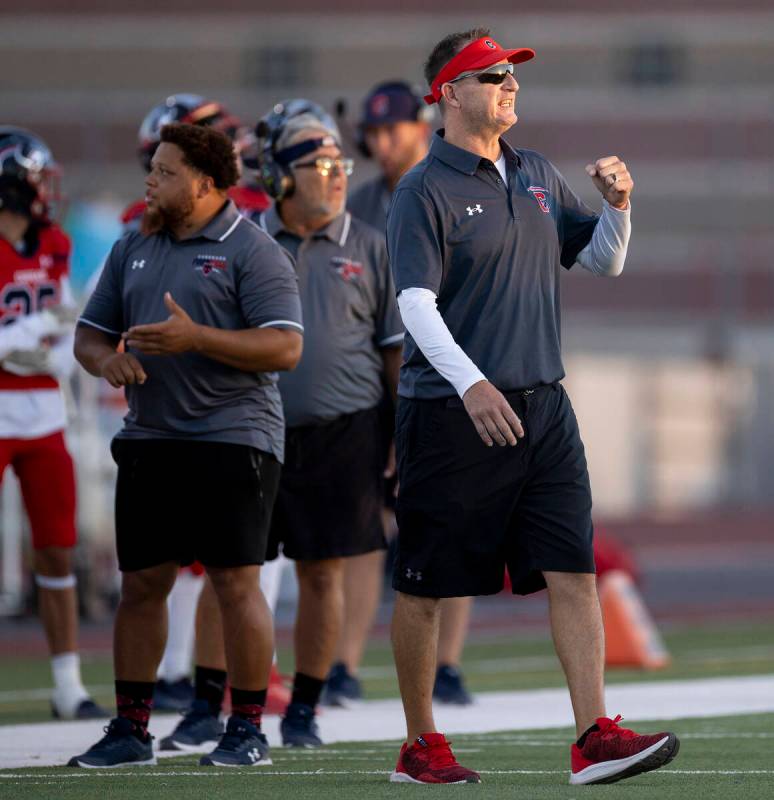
(37, 316)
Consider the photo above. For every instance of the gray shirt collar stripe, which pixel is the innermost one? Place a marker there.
(223, 224)
(231, 229)
(345, 232)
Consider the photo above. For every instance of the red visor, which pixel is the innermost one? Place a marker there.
(477, 55)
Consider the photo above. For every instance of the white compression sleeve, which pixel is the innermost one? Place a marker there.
(424, 322)
(606, 252)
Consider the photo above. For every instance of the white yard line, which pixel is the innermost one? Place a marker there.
(53, 743)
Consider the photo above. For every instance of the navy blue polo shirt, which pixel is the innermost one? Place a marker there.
(492, 255)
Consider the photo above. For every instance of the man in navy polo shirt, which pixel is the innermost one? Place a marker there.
(394, 130)
(206, 305)
(491, 466)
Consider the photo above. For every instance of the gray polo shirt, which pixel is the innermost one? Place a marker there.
(492, 255)
(371, 202)
(231, 275)
(350, 313)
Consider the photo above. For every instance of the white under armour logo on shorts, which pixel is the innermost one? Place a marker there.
(416, 575)
(476, 209)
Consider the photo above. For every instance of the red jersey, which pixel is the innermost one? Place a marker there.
(30, 283)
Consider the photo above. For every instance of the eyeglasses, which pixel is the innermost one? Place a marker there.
(495, 74)
(329, 166)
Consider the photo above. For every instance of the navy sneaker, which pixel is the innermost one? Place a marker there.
(119, 747)
(341, 689)
(198, 731)
(173, 695)
(86, 709)
(450, 687)
(298, 727)
(242, 745)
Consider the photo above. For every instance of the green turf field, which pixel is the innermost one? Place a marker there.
(495, 664)
(720, 758)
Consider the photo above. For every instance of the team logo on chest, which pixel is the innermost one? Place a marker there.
(541, 195)
(206, 263)
(347, 269)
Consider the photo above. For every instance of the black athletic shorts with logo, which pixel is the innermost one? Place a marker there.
(330, 495)
(184, 501)
(466, 511)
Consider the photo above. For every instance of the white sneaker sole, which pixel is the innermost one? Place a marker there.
(203, 747)
(403, 777)
(607, 769)
(267, 762)
(151, 762)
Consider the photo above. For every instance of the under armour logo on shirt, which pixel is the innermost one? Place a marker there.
(476, 209)
(138, 264)
(413, 574)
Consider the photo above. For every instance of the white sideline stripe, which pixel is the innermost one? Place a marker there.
(493, 666)
(482, 666)
(54, 743)
(317, 772)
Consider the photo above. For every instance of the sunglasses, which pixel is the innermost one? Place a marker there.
(329, 166)
(495, 74)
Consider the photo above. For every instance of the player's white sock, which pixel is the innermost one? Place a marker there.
(181, 605)
(69, 690)
(271, 579)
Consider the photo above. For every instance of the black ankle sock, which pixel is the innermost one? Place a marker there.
(582, 739)
(306, 689)
(134, 701)
(210, 685)
(248, 704)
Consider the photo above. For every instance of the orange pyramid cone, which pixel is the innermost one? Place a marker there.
(631, 636)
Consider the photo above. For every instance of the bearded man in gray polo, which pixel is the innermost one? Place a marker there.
(206, 306)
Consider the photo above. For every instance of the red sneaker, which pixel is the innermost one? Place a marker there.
(430, 760)
(610, 753)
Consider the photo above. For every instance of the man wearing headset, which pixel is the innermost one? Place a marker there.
(394, 130)
(330, 496)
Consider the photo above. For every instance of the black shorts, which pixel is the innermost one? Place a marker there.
(466, 511)
(184, 501)
(330, 494)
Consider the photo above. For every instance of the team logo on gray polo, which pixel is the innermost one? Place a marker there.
(348, 270)
(206, 263)
(541, 195)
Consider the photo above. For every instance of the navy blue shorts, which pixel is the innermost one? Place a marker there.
(185, 501)
(465, 511)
